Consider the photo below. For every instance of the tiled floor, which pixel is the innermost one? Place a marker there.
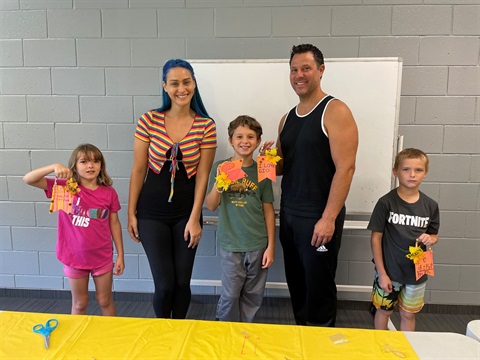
(273, 310)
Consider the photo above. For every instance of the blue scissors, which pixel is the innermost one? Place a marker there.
(45, 330)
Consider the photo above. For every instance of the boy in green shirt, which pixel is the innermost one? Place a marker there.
(246, 226)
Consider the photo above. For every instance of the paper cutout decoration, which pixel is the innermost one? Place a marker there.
(423, 261)
(425, 265)
(265, 169)
(63, 195)
(415, 253)
(267, 165)
(223, 182)
(233, 169)
(272, 156)
(229, 172)
(72, 187)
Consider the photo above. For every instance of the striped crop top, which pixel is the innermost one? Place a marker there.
(151, 129)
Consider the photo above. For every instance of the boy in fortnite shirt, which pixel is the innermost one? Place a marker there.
(402, 218)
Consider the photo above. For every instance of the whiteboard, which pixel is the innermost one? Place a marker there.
(261, 89)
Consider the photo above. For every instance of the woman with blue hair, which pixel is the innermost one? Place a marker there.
(174, 148)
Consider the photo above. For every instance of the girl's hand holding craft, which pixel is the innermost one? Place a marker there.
(61, 171)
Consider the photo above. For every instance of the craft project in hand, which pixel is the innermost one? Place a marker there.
(423, 261)
(63, 195)
(229, 172)
(267, 165)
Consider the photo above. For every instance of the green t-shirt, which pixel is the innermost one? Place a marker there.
(241, 222)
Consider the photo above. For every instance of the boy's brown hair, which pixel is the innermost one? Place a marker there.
(411, 153)
(245, 120)
(91, 153)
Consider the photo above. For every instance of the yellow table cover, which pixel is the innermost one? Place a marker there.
(97, 338)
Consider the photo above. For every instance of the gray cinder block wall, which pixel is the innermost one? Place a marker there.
(77, 71)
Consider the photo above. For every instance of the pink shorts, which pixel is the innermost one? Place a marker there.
(73, 273)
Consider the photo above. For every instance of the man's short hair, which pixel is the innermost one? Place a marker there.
(304, 48)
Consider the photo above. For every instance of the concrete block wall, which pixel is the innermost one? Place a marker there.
(75, 71)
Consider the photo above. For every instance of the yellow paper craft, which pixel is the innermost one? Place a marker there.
(223, 182)
(272, 157)
(62, 196)
(72, 187)
(416, 253)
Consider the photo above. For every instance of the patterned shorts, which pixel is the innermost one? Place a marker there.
(408, 297)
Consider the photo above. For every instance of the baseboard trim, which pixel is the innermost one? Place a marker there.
(212, 299)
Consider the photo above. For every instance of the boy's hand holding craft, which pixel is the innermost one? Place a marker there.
(427, 239)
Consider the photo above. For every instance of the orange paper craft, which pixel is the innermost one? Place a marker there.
(62, 196)
(266, 170)
(425, 265)
(233, 169)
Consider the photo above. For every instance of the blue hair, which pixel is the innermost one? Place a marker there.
(196, 103)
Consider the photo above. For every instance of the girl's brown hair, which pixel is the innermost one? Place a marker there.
(91, 153)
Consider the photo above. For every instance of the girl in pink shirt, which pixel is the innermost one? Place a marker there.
(86, 226)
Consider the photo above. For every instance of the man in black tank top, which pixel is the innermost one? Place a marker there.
(318, 142)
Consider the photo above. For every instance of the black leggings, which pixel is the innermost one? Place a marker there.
(171, 263)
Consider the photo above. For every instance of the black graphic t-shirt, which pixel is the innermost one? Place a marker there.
(401, 223)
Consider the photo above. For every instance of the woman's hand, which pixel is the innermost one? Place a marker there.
(133, 228)
(193, 233)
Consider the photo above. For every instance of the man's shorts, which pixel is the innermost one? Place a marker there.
(73, 273)
(408, 297)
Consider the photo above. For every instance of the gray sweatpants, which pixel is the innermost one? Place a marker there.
(243, 285)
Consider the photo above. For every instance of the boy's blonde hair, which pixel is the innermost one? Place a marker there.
(91, 153)
(411, 153)
(245, 120)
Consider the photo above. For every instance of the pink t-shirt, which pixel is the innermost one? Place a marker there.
(84, 238)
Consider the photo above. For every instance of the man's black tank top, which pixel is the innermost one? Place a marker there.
(308, 167)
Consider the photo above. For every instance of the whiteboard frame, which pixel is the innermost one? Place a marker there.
(234, 94)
